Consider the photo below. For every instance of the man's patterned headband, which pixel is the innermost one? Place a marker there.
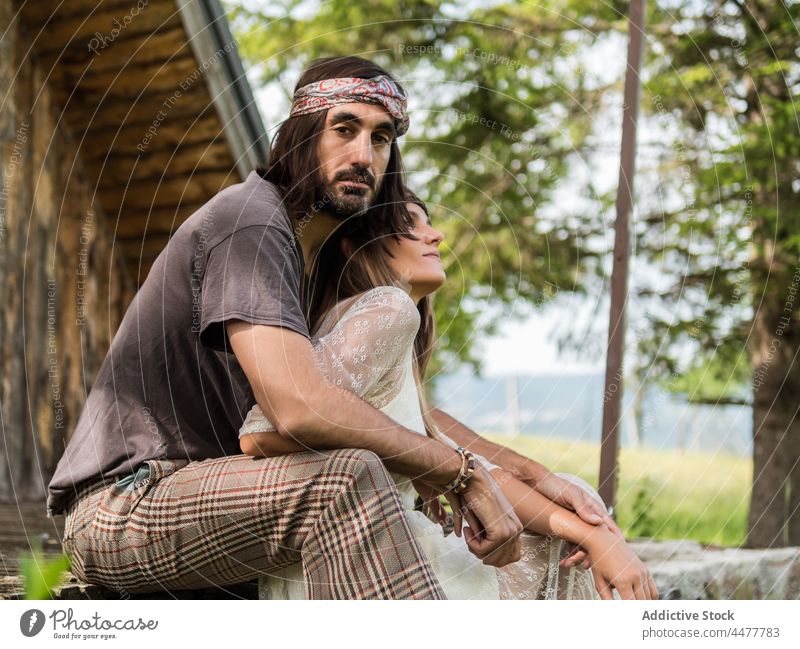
(344, 90)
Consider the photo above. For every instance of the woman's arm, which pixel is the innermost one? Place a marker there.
(613, 562)
(541, 515)
(269, 444)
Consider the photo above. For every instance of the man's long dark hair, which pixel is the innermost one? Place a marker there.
(293, 165)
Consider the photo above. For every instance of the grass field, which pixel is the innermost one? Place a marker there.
(660, 494)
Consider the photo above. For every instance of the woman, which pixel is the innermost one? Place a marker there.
(372, 320)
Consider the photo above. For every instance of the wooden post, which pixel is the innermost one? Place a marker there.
(512, 404)
(612, 395)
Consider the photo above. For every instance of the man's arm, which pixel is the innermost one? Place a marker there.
(305, 408)
(518, 465)
(312, 413)
(534, 474)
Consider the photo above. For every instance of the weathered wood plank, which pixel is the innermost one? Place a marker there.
(146, 194)
(118, 112)
(153, 77)
(103, 26)
(141, 49)
(185, 160)
(166, 137)
(39, 12)
(63, 289)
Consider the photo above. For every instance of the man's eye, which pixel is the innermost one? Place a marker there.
(382, 139)
(342, 129)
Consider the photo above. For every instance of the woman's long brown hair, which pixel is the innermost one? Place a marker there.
(337, 276)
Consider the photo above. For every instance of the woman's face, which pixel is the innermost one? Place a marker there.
(417, 262)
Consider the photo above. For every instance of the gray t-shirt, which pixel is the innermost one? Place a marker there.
(170, 386)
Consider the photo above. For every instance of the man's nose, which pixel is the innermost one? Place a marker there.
(361, 152)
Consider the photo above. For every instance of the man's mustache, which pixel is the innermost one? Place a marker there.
(349, 176)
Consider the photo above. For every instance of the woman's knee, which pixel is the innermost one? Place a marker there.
(580, 482)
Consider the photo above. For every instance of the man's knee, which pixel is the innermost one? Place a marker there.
(361, 462)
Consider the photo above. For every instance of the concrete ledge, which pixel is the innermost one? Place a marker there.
(689, 570)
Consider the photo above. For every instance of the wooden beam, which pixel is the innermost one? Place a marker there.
(138, 50)
(117, 112)
(100, 30)
(612, 395)
(211, 39)
(168, 136)
(155, 77)
(185, 160)
(144, 195)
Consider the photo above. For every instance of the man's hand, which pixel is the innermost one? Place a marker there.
(569, 495)
(431, 503)
(496, 541)
(493, 528)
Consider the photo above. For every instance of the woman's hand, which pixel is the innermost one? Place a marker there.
(494, 528)
(614, 565)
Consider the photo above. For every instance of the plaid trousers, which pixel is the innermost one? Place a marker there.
(195, 524)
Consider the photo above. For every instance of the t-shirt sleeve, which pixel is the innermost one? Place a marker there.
(252, 275)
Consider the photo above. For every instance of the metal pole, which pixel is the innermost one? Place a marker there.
(612, 395)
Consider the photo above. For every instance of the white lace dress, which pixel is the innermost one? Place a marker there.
(365, 345)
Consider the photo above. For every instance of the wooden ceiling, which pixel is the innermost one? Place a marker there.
(137, 104)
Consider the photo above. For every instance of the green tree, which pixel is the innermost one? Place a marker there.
(722, 84)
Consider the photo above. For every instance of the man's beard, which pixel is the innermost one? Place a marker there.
(342, 201)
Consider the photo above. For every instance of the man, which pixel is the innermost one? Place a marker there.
(157, 491)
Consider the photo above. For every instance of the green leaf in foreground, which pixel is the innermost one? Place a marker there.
(40, 574)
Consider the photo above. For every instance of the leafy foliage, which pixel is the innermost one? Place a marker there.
(41, 574)
(722, 83)
(501, 107)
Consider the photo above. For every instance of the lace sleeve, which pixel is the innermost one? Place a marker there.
(364, 352)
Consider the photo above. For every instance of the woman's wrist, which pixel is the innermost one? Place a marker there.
(598, 537)
(571, 527)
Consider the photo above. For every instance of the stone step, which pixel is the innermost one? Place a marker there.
(690, 570)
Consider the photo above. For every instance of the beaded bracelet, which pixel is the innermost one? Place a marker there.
(465, 472)
(470, 470)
